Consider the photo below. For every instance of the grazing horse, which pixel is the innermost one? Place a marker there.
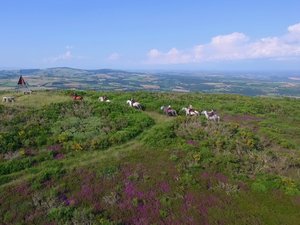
(103, 99)
(168, 111)
(28, 92)
(211, 115)
(77, 97)
(190, 112)
(8, 99)
(135, 104)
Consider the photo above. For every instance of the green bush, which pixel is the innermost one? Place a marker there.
(160, 136)
(61, 214)
(54, 171)
(268, 182)
(16, 165)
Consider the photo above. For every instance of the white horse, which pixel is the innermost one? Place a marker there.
(134, 104)
(190, 112)
(28, 92)
(103, 99)
(211, 115)
(168, 111)
(8, 99)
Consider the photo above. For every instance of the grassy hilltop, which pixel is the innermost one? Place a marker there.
(90, 162)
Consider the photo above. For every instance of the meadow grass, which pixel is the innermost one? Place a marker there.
(36, 99)
(168, 171)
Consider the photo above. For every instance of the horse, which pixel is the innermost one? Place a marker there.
(190, 112)
(8, 99)
(77, 97)
(134, 104)
(28, 92)
(103, 99)
(168, 111)
(211, 115)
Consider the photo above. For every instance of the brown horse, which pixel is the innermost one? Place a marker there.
(168, 110)
(77, 97)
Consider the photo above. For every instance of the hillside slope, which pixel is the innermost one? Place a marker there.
(91, 162)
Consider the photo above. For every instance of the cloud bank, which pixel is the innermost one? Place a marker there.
(231, 47)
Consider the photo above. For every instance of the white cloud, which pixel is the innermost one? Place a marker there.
(66, 56)
(234, 46)
(198, 52)
(294, 28)
(154, 53)
(230, 39)
(173, 56)
(293, 35)
(272, 47)
(114, 56)
(226, 47)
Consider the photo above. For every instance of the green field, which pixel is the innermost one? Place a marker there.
(91, 162)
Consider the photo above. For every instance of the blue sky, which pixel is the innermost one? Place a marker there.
(156, 34)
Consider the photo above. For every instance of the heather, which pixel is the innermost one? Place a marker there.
(91, 162)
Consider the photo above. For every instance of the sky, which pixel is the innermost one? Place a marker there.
(151, 34)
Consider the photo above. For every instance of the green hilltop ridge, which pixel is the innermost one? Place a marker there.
(90, 162)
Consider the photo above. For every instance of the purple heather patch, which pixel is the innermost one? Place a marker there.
(22, 189)
(54, 148)
(211, 178)
(130, 189)
(192, 142)
(189, 199)
(59, 156)
(164, 187)
(206, 202)
(221, 177)
(29, 152)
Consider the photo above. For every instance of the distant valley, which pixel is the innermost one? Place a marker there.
(244, 83)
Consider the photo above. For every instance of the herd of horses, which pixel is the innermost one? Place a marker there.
(12, 99)
(210, 115)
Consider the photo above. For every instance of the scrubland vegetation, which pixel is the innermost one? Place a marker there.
(91, 162)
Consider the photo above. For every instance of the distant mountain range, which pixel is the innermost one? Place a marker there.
(245, 83)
